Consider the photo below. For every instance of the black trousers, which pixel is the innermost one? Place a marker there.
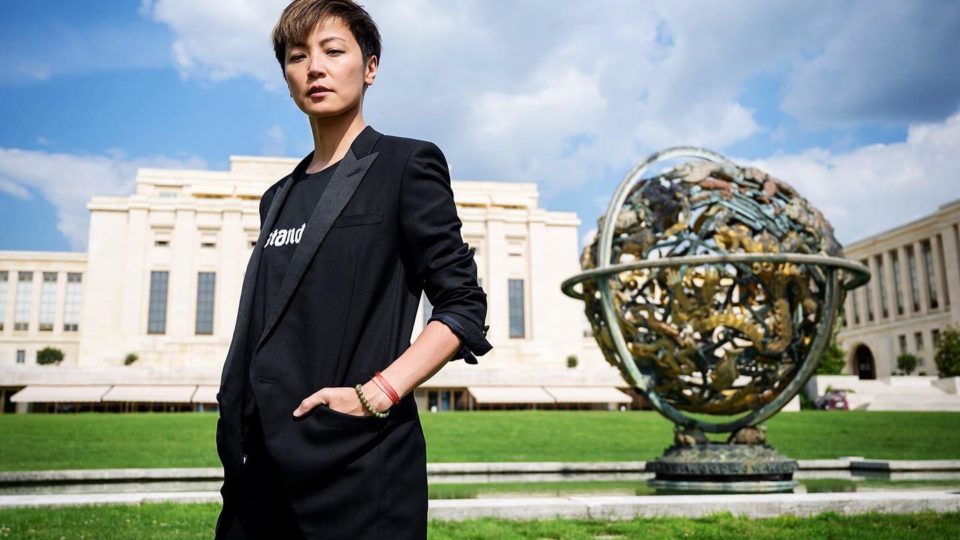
(263, 510)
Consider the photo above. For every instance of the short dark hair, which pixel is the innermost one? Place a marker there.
(300, 16)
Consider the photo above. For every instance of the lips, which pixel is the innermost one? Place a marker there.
(317, 88)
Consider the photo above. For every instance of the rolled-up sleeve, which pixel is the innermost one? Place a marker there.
(430, 231)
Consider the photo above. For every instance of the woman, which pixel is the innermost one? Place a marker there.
(318, 430)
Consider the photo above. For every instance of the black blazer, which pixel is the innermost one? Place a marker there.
(384, 230)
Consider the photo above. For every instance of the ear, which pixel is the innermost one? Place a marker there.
(371, 70)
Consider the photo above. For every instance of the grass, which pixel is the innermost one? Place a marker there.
(176, 521)
(94, 440)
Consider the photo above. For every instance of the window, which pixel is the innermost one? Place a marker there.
(157, 322)
(48, 301)
(928, 272)
(897, 289)
(4, 277)
(161, 243)
(21, 318)
(71, 304)
(918, 338)
(941, 259)
(912, 271)
(206, 285)
(936, 338)
(880, 285)
(856, 308)
(21, 356)
(515, 291)
(903, 343)
(868, 291)
(208, 244)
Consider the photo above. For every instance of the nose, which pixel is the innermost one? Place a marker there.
(316, 68)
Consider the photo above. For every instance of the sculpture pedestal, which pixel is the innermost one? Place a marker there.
(717, 467)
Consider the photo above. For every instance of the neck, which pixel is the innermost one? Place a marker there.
(332, 137)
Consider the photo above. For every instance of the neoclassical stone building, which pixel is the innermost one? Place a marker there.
(162, 275)
(913, 294)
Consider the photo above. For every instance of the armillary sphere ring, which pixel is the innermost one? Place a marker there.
(828, 309)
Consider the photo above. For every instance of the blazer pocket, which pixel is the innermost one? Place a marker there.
(348, 220)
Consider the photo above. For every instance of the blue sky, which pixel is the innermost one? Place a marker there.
(853, 103)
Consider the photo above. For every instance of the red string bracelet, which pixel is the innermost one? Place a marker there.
(394, 397)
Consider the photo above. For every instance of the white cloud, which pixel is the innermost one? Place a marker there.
(68, 181)
(221, 39)
(877, 187)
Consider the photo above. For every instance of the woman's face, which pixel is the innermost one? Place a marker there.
(331, 59)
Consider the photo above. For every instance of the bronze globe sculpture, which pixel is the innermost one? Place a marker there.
(714, 289)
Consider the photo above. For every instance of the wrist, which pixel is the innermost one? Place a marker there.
(376, 397)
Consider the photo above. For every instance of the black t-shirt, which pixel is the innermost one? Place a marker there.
(275, 257)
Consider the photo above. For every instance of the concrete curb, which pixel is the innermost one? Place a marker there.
(753, 506)
(442, 469)
(588, 507)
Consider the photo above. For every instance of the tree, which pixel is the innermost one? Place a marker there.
(131, 358)
(572, 361)
(49, 355)
(947, 356)
(834, 358)
(907, 362)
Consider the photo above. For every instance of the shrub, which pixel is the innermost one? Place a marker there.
(907, 362)
(947, 356)
(572, 361)
(130, 358)
(49, 355)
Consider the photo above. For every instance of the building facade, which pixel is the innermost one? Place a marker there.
(913, 294)
(153, 302)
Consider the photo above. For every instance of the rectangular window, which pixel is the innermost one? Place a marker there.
(903, 343)
(941, 258)
(880, 285)
(928, 272)
(48, 301)
(24, 305)
(206, 285)
(914, 286)
(515, 291)
(157, 322)
(71, 304)
(21, 356)
(869, 293)
(856, 308)
(936, 338)
(897, 288)
(4, 279)
(918, 339)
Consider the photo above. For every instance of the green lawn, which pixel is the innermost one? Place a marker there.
(175, 521)
(92, 440)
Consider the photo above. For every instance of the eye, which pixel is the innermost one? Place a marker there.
(296, 57)
(331, 51)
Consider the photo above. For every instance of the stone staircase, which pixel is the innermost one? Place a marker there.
(907, 393)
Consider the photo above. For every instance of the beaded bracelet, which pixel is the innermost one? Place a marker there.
(366, 404)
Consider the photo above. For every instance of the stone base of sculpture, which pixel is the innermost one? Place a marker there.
(744, 464)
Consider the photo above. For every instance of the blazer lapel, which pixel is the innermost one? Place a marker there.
(348, 175)
(242, 325)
